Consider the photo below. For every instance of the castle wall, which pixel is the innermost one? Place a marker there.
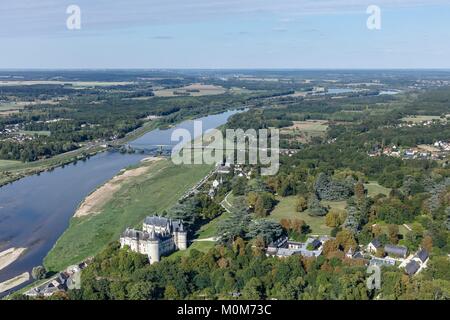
(157, 241)
(180, 240)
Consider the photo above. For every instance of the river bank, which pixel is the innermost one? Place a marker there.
(157, 188)
(97, 199)
(15, 172)
(9, 256)
(37, 212)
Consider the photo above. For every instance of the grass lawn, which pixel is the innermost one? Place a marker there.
(373, 189)
(340, 205)
(210, 229)
(203, 246)
(145, 195)
(5, 164)
(285, 209)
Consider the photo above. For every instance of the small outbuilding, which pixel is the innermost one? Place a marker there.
(412, 267)
(397, 251)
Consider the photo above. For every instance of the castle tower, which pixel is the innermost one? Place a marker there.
(181, 238)
(153, 248)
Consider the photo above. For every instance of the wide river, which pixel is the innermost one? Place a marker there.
(35, 210)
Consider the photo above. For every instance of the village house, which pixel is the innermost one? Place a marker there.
(283, 247)
(412, 267)
(354, 254)
(421, 256)
(395, 251)
(63, 281)
(214, 187)
(417, 263)
(374, 246)
(223, 168)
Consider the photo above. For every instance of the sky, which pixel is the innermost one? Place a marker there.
(224, 34)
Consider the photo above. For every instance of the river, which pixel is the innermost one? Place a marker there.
(35, 210)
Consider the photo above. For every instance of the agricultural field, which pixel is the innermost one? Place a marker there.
(78, 84)
(428, 148)
(309, 126)
(237, 90)
(11, 106)
(7, 108)
(194, 90)
(144, 195)
(420, 119)
(304, 131)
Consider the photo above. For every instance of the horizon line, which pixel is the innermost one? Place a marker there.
(225, 69)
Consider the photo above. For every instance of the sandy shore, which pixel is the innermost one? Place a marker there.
(9, 256)
(95, 201)
(150, 159)
(14, 282)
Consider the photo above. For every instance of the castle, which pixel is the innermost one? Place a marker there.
(160, 236)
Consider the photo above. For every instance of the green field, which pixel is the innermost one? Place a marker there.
(6, 164)
(148, 194)
(304, 131)
(419, 119)
(311, 126)
(194, 90)
(39, 133)
(373, 189)
(285, 209)
(12, 106)
(210, 229)
(73, 83)
(203, 246)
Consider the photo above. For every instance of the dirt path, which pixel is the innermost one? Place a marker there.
(9, 256)
(95, 201)
(210, 239)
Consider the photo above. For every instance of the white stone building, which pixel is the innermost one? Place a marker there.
(160, 236)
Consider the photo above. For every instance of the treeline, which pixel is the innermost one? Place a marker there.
(86, 118)
(242, 271)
